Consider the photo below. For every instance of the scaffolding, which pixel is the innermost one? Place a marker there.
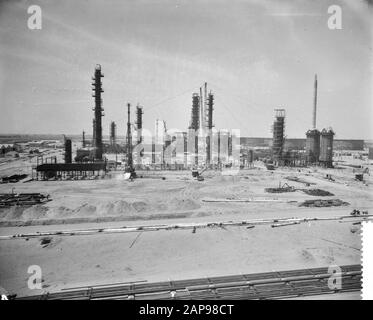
(278, 134)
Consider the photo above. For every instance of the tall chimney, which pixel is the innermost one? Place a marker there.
(314, 103)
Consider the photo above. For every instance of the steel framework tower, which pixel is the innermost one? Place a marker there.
(209, 113)
(129, 139)
(139, 114)
(98, 110)
(94, 132)
(195, 123)
(278, 133)
(113, 133)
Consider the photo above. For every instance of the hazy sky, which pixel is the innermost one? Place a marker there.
(255, 56)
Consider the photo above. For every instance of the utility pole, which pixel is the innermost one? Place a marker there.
(129, 141)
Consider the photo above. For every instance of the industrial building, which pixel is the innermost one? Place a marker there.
(87, 163)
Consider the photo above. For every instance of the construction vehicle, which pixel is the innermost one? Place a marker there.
(359, 173)
(198, 174)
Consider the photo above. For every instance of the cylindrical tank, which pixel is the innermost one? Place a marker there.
(68, 151)
(326, 147)
(313, 145)
(251, 155)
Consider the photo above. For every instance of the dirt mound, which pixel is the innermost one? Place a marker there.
(182, 204)
(279, 190)
(35, 212)
(60, 212)
(85, 210)
(99, 209)
(13, 213)
(323, 203)
(318, 192)
(120, 207)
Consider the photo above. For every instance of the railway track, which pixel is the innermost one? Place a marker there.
(269, 285)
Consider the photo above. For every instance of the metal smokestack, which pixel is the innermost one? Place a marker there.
(314, 103)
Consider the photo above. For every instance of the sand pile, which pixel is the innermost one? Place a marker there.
(121, 207)
(99, 209)
(13, 213)
(35, 212)
(182, 204)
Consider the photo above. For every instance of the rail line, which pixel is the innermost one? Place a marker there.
(279, 222)
(269, 285)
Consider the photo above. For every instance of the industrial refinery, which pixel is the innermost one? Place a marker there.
(201, 146)
(183, 152)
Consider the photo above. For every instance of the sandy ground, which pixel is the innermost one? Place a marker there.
(72, 261)
(114, 199)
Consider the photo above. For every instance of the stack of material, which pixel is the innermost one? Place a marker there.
(22, 199)
(317, 192)
(281, 188)
(323, 203)
(13, 178)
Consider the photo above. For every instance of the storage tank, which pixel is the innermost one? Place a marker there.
(313, 145)
(326, 147)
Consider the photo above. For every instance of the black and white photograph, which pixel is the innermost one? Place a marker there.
(210, 150)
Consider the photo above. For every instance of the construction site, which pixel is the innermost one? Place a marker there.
(185, 150)
(224, 216)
